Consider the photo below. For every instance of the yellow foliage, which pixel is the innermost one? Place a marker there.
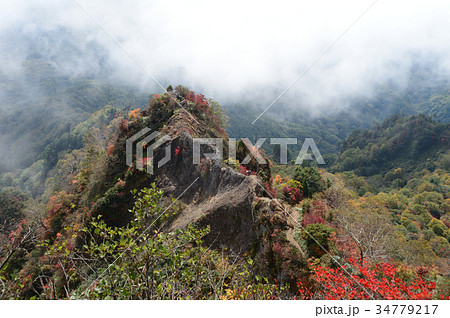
(295, 184)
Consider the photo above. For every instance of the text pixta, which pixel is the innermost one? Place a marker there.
(337, 310)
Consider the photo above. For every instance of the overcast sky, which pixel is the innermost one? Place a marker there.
(251, 49)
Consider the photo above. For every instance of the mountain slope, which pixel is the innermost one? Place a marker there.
(40, 105)
(410, 143)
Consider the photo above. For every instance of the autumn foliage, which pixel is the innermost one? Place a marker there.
(197, 98)
(293, 195)
(364, 281)
(110, 149)
(134, 114)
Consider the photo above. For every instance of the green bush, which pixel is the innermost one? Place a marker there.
(316, 236)
(310, 179)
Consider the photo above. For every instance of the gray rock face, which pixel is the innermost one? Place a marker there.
(241, 217)
(215, 195)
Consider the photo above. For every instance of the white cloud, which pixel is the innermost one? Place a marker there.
(236, 49)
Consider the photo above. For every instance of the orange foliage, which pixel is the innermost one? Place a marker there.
(135, 114)
(278, 179)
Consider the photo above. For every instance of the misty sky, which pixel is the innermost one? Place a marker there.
(239, 50)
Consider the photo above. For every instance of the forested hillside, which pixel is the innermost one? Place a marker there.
(70, 205)
(409, 143)
(46, 114)
(424, 93)
(143, 151)
(229, 230)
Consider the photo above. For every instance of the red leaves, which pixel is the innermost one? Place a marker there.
(312, 218)
(144, 161)
(16, 233)
(292, 194)
(197, 98)
(110, 149)
(243, 170)
(380, 281)
(124, 126)
(278, 248)
(272, 191)
(120, 183)
(59, 207)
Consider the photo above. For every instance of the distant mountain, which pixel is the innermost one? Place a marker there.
(41, 108)
(425, 93)
(187, 220)
(396, 148)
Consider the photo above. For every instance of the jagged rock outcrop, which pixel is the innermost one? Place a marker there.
(214, 194)
(243, 218)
